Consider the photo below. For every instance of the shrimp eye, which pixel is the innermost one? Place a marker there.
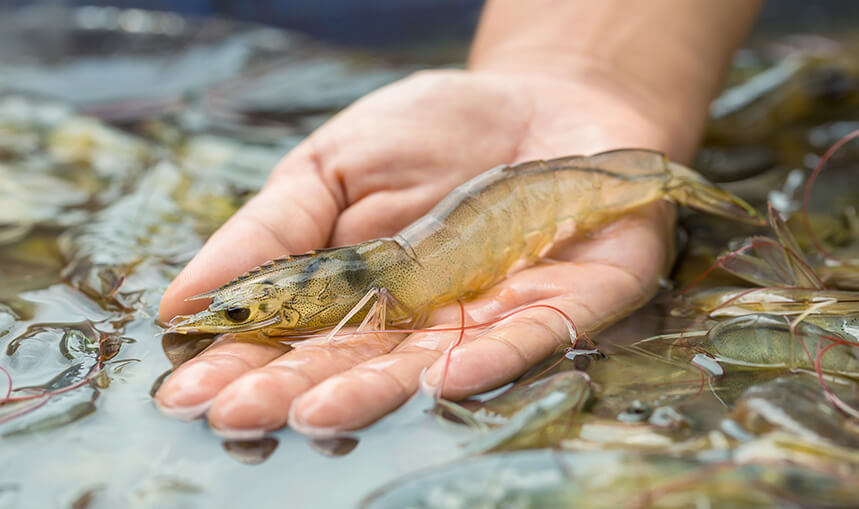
(238, 314)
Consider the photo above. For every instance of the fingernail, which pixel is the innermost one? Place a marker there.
(238, 434)
(301, 412)
(429, 381)
(182, 412)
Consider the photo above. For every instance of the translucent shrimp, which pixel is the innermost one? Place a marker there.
(501, 221)
(789, 284)
(735, 301)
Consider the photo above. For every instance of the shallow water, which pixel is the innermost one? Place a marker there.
(121, 217)
(103, 439)
(82, 268)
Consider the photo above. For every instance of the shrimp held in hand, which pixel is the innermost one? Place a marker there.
(500, 221)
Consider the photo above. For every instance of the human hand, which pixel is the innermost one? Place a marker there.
(370, 171)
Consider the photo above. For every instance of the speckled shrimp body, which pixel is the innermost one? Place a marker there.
(502, 220)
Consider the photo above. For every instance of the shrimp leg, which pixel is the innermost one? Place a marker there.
(376, 316)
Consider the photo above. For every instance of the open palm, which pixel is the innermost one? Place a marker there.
(370, 171)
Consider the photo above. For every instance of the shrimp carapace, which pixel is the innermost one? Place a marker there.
(503, 219)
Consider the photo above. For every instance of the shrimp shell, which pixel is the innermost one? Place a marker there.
(504, 219)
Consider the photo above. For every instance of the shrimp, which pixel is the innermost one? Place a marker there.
(545, 414)
(795, 89)
(766, 341)
(502, 220)
(796, 405)
(735, 301)
(789, 285)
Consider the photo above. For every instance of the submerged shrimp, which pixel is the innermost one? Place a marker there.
(506, 218)
(736, 301)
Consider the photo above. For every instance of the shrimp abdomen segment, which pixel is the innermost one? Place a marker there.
(510, 215)
(472, 238)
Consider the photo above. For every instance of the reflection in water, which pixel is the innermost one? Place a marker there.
(85, 500)
(156, 384)
(180, 348)
(251, 452)
(334, 447)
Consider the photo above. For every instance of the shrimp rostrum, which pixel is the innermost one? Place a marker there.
(502, 220)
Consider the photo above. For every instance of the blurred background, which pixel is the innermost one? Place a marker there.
(377, 23)
(389, 23)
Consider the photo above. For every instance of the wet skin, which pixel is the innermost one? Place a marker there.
(376, 167)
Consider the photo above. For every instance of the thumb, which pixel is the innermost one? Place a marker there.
(293, 213)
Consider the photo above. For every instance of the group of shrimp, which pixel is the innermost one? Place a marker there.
(509, 218)
(501, 221)
(802, 314)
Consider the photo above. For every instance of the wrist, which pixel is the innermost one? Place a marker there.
(663, 57)
(674, 122)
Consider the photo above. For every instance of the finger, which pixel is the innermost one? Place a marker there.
(635, 245)
(293, 213)
(375, 387)
(597, 294)
(188, 392)
(260, 399)
(369, 390)
(302, 386)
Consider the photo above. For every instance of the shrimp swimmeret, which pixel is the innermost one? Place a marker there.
(503, 219)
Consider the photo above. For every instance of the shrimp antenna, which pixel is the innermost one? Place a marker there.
(806, 196)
